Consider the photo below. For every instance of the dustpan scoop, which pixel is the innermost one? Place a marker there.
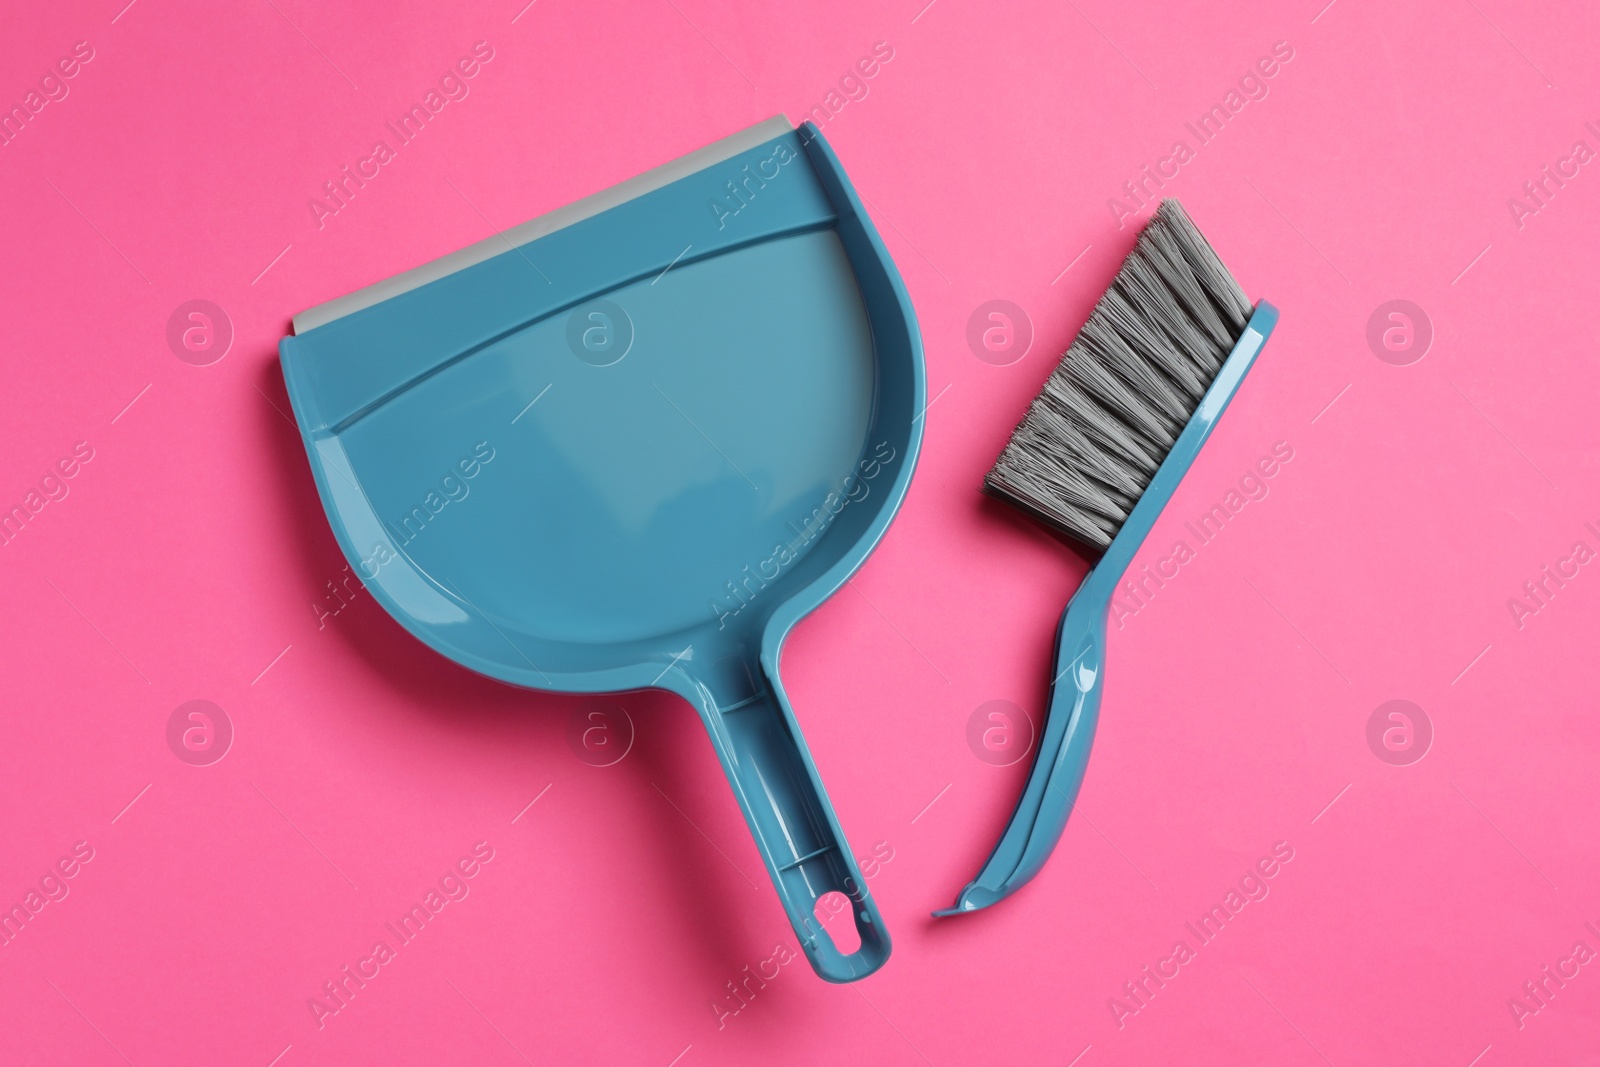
(630, 445)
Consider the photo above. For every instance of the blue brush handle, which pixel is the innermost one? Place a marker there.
(1075, 690)
(1052, 788)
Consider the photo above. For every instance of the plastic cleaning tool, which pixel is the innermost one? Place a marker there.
(629, 445)
(1097, 457)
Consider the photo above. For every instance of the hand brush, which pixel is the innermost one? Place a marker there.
(1097, 457)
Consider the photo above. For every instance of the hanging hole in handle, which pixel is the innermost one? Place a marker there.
(836, 913)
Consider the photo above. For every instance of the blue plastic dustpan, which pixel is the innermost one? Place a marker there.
(630, 445)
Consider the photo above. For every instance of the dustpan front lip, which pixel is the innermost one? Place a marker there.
(355, 364)
(671, 673)
(542, 226)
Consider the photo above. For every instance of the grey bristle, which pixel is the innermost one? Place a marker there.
(1127, 385)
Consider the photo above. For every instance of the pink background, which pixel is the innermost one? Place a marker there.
(187, 559)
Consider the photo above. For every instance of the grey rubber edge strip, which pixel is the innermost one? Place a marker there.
(534, 229)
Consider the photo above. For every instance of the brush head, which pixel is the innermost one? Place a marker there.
(1110, 412)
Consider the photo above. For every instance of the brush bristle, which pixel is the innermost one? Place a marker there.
(1127, 385)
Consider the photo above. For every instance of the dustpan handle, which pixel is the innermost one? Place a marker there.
(805, 852)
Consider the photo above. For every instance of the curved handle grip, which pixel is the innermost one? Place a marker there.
(1060, 759)
(805, 852)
